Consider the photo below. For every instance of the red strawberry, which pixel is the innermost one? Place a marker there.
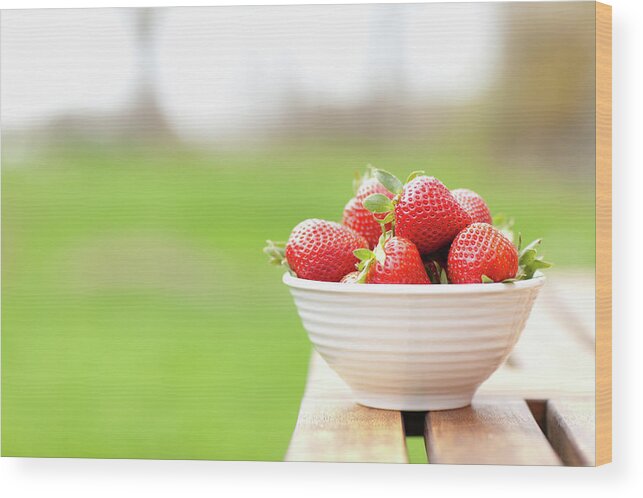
(399, 262)
(428, 215)
(473, 204)
(322, 250)
(360, 219)
(480, 251)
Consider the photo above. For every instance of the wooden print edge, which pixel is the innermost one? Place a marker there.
(603, 233)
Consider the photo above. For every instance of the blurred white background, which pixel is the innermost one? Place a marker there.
(237, 65)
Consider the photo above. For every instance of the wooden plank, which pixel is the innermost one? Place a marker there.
(572, 300)
(570, 429)
(332, 428)
(488, 432)
(552, 359)
(603, 233)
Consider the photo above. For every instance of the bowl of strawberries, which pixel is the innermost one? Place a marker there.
(416, 298)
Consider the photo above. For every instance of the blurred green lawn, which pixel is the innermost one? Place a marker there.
(139, 316)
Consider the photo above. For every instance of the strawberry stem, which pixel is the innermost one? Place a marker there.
(380, 204)
(413, 175)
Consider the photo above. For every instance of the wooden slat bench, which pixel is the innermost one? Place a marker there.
(538, 409)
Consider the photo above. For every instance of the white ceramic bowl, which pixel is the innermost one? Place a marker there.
(413, 347)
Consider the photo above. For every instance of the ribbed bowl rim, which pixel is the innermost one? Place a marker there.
(431, 289)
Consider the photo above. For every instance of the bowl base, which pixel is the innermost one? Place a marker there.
(414, 402)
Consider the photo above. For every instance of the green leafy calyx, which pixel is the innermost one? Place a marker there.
(529, 262)
(368, 258)
(378, 203)
(276, 252)
(389, 180)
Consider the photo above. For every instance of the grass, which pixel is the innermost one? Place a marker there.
(139, 316)
(416, 449)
